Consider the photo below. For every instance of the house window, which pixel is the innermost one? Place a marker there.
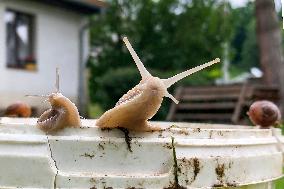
(20, 38)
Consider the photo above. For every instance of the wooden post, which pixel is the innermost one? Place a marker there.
(269, 42)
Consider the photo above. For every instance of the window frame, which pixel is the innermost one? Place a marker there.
(32, 38)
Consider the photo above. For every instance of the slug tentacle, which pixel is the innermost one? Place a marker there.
(171, 97)
(57, 81)
(143, 71)
(144, 100)
(172, 80)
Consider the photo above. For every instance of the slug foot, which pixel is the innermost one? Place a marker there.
(147, 127)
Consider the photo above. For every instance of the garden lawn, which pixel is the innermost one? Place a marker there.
(280, 184)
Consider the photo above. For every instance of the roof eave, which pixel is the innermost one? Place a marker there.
(86, 7)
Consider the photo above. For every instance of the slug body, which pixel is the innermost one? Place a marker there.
(144, 100)
(63, 113)
(135, 107)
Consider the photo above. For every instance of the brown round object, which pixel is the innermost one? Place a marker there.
(264, 113)
(18, 109)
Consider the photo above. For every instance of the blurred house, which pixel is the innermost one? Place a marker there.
(36, 36)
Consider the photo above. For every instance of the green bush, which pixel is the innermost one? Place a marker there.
(113, 84)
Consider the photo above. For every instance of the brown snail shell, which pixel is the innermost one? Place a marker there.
(264, 113)
(18, 109)
(63, 113)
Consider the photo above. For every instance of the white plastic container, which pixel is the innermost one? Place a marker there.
(201, 156)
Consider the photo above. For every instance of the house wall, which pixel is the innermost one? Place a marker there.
(57, 44)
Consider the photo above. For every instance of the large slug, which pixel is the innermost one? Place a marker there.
(144, 100)
(63, 113)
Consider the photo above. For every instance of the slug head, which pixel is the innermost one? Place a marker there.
(153, 86)
(56, 100)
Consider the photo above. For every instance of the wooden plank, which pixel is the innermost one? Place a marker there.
(265, 95)
(213, 87)
(212, 91)
(265, 87)
(248, 103)
(206, 105)
(203, 116)
(173, 107)
(217, 89)
(204, 97)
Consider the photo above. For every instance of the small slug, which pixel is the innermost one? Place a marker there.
(63, 113)
(144, 100)
(18, 109)
(264, 113)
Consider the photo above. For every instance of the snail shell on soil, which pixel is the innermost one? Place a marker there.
(264, 113)
(144, 100)
(18, 109)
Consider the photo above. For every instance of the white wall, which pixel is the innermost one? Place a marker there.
(57, 44)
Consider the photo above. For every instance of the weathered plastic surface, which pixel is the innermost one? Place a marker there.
(205, 156)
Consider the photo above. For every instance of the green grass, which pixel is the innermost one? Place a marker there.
(280, 184)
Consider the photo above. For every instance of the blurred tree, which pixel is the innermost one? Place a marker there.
(244, 43)
(269, 41)
(169, 37)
